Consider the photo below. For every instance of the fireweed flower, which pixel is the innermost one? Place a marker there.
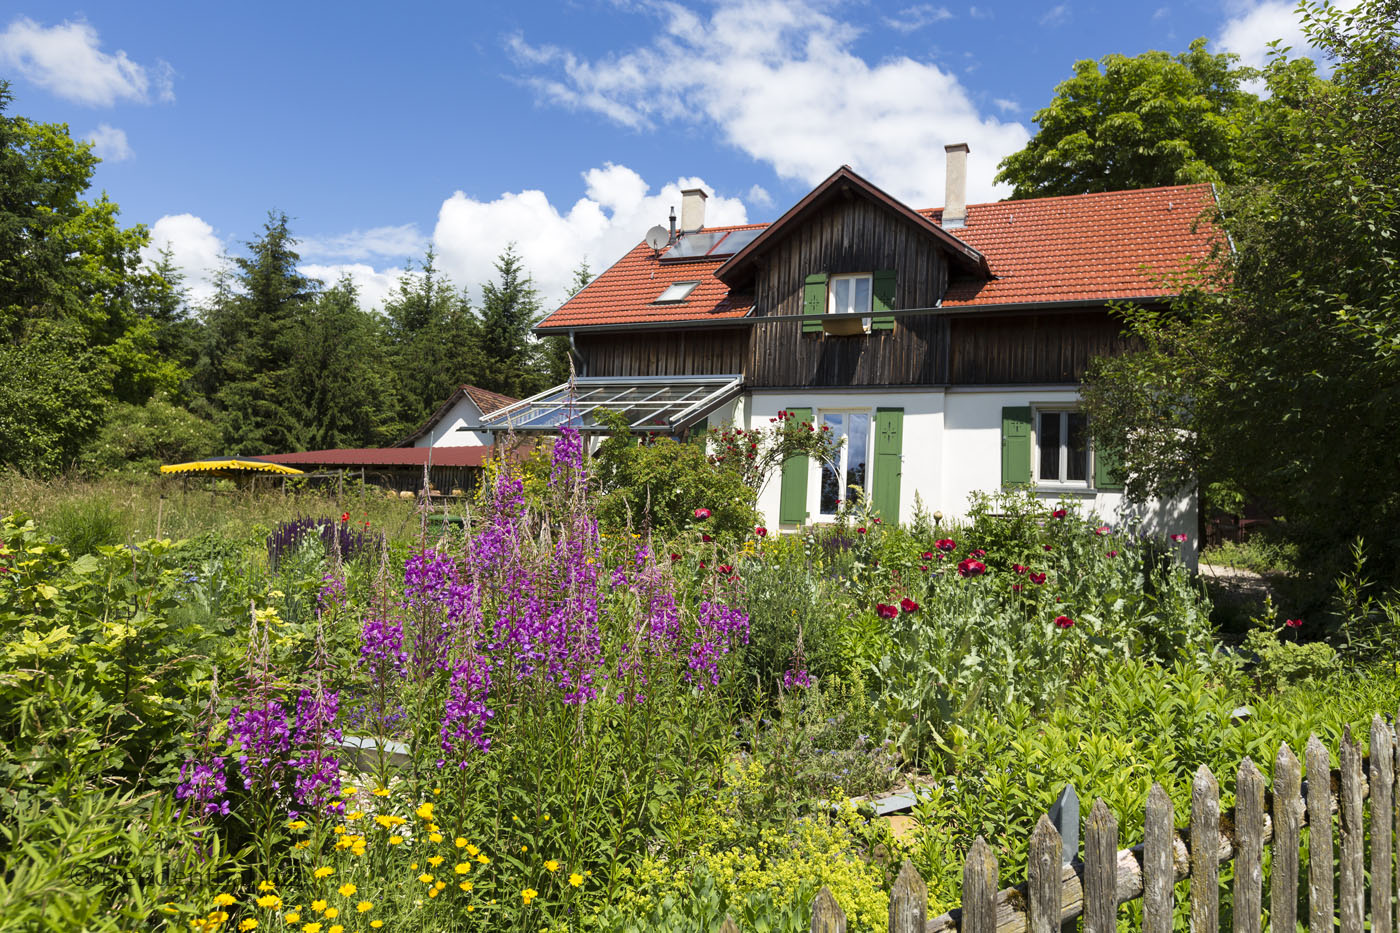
(204, 785)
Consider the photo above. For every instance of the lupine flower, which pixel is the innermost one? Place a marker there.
(1063, 621)
(971, 567)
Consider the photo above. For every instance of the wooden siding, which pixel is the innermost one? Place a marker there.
(1026, 348)
(663, 353)
(850, 235)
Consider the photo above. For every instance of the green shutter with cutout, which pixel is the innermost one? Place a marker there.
(814, 303)
(792, 498)
(889, 462)
(882, 299)
(1015, 445)
(1108, 469)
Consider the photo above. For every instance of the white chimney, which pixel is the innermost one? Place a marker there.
(955, 190)
(692, 209)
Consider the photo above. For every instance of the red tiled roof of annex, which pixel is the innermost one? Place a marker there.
(485, 400)
(467, 456)
(1083, 247)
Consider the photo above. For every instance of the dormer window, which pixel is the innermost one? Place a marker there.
(850, 294)
(676, 293)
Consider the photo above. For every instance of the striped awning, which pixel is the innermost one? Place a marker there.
(229, 466)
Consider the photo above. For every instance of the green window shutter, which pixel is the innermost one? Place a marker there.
(1015, 445)
(1108, 469)
(699, 432)
(882, 297)
(814, 304)
(792, 499)
(889, 464)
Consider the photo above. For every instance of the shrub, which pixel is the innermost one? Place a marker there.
(80, 526)
(657, 484)
(139, 438)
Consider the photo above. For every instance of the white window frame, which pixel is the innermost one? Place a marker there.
(851, 277)
(819, 414)
(1063, 411)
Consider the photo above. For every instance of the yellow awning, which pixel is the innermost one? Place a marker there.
(230, 466)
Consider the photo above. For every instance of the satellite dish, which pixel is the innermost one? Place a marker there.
(658, 238)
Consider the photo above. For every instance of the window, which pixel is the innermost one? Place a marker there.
(850, 468)
(675, 293)
(1062, 447)
(850, 294)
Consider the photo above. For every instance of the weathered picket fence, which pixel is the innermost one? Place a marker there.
(1057, 893)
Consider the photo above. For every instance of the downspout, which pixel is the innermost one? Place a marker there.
(580, 364)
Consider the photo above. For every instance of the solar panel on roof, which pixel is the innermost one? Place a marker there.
(736, 241)
(694, 245)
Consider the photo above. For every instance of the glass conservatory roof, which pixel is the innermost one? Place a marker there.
(657, 404)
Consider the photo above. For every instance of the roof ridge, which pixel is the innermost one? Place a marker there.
(1067, 197)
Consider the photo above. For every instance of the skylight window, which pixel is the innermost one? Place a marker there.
(676, 292)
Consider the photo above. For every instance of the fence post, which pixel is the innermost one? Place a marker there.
(729, 925)
(1205, 852)
(1320, 906)
(1158, 869)
(1101, 870)
(1353, 868)
(908, 901)
(827, 915)
(1382, 817)
(1045, 877)
(1249, 848)
(1288, 818)
(979, 892)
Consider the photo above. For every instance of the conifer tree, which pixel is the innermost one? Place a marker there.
(510, 306)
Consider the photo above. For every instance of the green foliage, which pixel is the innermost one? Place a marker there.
(81, 526)
(53, 397)
(139, 438)
(1140, 122)
(509, 307)
(790, 607)
(1286, 662)
(1282, 386)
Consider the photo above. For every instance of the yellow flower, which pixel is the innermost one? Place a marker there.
(546, 817)
(524, 848)
(435, 861)
(217, 917)
(472, 850)
(426, 878)
(297, 824)
(381, 792)
(576, 879)
(249, 924)
(437, 790)
(349, 791)
(271, 901)
(551, 865)
(318, 905)
(435, 837)
(311, 928)
(529, 894)
(425, 812)
(339, 830)
(355, 815)
(376, 923)
(348, 890)
(395, 840)
(266, 886)
(223, 900)
(332, 913)
(483, 859)
(412, 866)
(292, 917)
(465, 885)
(363, 906)
(462, 868)
(460, 841)
(433, 892)
(336, 928)
(325, 871)
(383, 820)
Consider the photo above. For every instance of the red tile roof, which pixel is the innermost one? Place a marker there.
(487, 401)
(384, 457)
(1086, 247)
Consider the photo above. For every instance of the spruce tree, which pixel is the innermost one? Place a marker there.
(510, 306)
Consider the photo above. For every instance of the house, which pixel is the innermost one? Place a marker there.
(945, 345)
(452, 446)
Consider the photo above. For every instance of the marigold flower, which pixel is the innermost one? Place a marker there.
(249, 924)
(424, 812)
(297, 824)
(426, 878)
(435, 837)
(576, 879)
(348, 791)
(318, 905)
(529, 894)
(472, 850)
(551, 865)
(381, 792)
(269, 901)
(483, 859)
(462, 868)
(363, 906)
(311, 928)
(460, 842)
(336, 928)
(325, 871)
(395, 840)
(465, 886)
(266, 886)
(376, 923)
(292, 916)
(332, 913)
(435, 861)
(223, 900)
(355, 815)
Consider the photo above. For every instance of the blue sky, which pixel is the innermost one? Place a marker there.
(568, 128)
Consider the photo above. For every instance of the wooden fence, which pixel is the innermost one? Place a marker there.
(1057, 893)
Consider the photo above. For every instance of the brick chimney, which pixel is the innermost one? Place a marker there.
(955, 189)
(692, 209)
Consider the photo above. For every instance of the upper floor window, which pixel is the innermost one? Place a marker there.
(1062, 446)
(850, 294)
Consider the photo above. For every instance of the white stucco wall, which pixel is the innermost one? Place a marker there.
(951, 448)
(460, 427)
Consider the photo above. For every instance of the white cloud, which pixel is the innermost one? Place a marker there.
(979, 12)
(1253, 24)
(196, 250)
(615, 212)
(1007, 106)
(68, 61)
(914, 18)
(759, 196)
(110, 143)
(374, 286)
(780, 81)
(1055, 16)
(402, 240)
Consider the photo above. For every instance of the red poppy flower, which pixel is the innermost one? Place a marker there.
(702, 563)
(675, 557)
(761, 531)
(1112, 553)
(1179, 537)
(921, 567)
(344, 517)
(725, 568)
(886, 612)
(1015, 587)
(877, 521)
(946, 544)
(1038, 579)
(705, 537)
(908, 605)
(1293, 623)
(971, 567)
(927, 555)
(702, 514)
(1063, 621)
(861, 530)
(1047, 547)
(977, 553)
(1103, 530)
(1019, 568)
(772, 420)
(1059, 513)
